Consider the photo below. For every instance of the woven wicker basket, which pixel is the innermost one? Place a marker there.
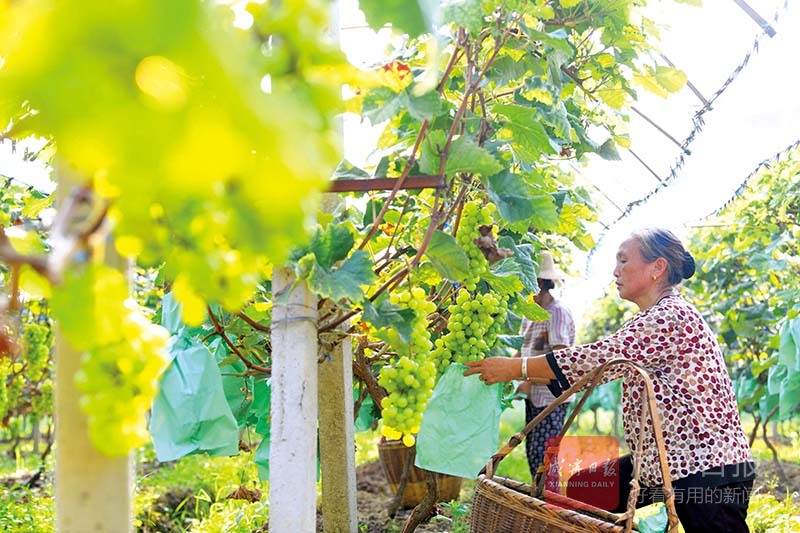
(393, 455)
(502, 505)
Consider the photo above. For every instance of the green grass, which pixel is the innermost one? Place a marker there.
(191, 495)
(22, 509)
(367, 446)
(515, 464)
(767, 514)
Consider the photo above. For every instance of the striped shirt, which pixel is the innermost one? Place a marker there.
(540, 337)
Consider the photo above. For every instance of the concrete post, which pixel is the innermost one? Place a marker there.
(336, 440)
(293, 410)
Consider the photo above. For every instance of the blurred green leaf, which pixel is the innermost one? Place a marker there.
(405, 15)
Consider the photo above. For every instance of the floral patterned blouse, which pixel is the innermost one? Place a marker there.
(694, 394)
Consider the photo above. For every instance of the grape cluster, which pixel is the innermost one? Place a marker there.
(410, 386)
(475, 321)
(42, 400)
(420, 344)
(473, 216)
(5, 371)
(410, 380)
(36, 341)
(118, 382)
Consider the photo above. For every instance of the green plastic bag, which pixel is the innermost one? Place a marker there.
(190, 413)
(366, 414)
(460, 428)
(655, 523)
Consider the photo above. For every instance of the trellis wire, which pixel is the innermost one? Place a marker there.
(699, 122)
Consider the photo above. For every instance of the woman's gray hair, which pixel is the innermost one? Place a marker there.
(658, 242)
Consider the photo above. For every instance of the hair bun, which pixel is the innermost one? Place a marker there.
(688, 265)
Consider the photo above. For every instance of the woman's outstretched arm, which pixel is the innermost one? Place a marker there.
(503, 369)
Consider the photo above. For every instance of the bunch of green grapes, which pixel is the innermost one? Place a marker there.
(5, 372)
(473, 216)
(410, 386)
(118, 382)
(420, 344)
(36, 341)
(42, 400)
(474, 323)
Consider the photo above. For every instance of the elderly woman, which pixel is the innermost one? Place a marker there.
(710, 464)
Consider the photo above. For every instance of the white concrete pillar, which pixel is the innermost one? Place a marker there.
(293, 410)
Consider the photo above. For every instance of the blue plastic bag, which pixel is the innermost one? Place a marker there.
(460, 428)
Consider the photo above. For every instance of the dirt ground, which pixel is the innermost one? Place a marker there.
(768, 479)
(373, 499)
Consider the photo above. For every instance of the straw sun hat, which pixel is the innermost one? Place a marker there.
(549, 270)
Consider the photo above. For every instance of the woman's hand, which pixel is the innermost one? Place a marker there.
(495, 369)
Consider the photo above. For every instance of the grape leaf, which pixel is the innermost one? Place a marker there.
(463, 156)
(465, 13)
(528, 308)
(608, 151)
(649, 82)
(529, 137)
(381, 103)
(545, 215)
(466, 156)
(523, 257)
(512, 341)
(557, 119)
(503, 277)
(385, 315)
(345, 281)
(424, 106)
(346, 170)
(512, 196)
(670, 78)
(447, 256)
(331, 244)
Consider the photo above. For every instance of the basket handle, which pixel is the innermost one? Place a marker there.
(648, 405)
